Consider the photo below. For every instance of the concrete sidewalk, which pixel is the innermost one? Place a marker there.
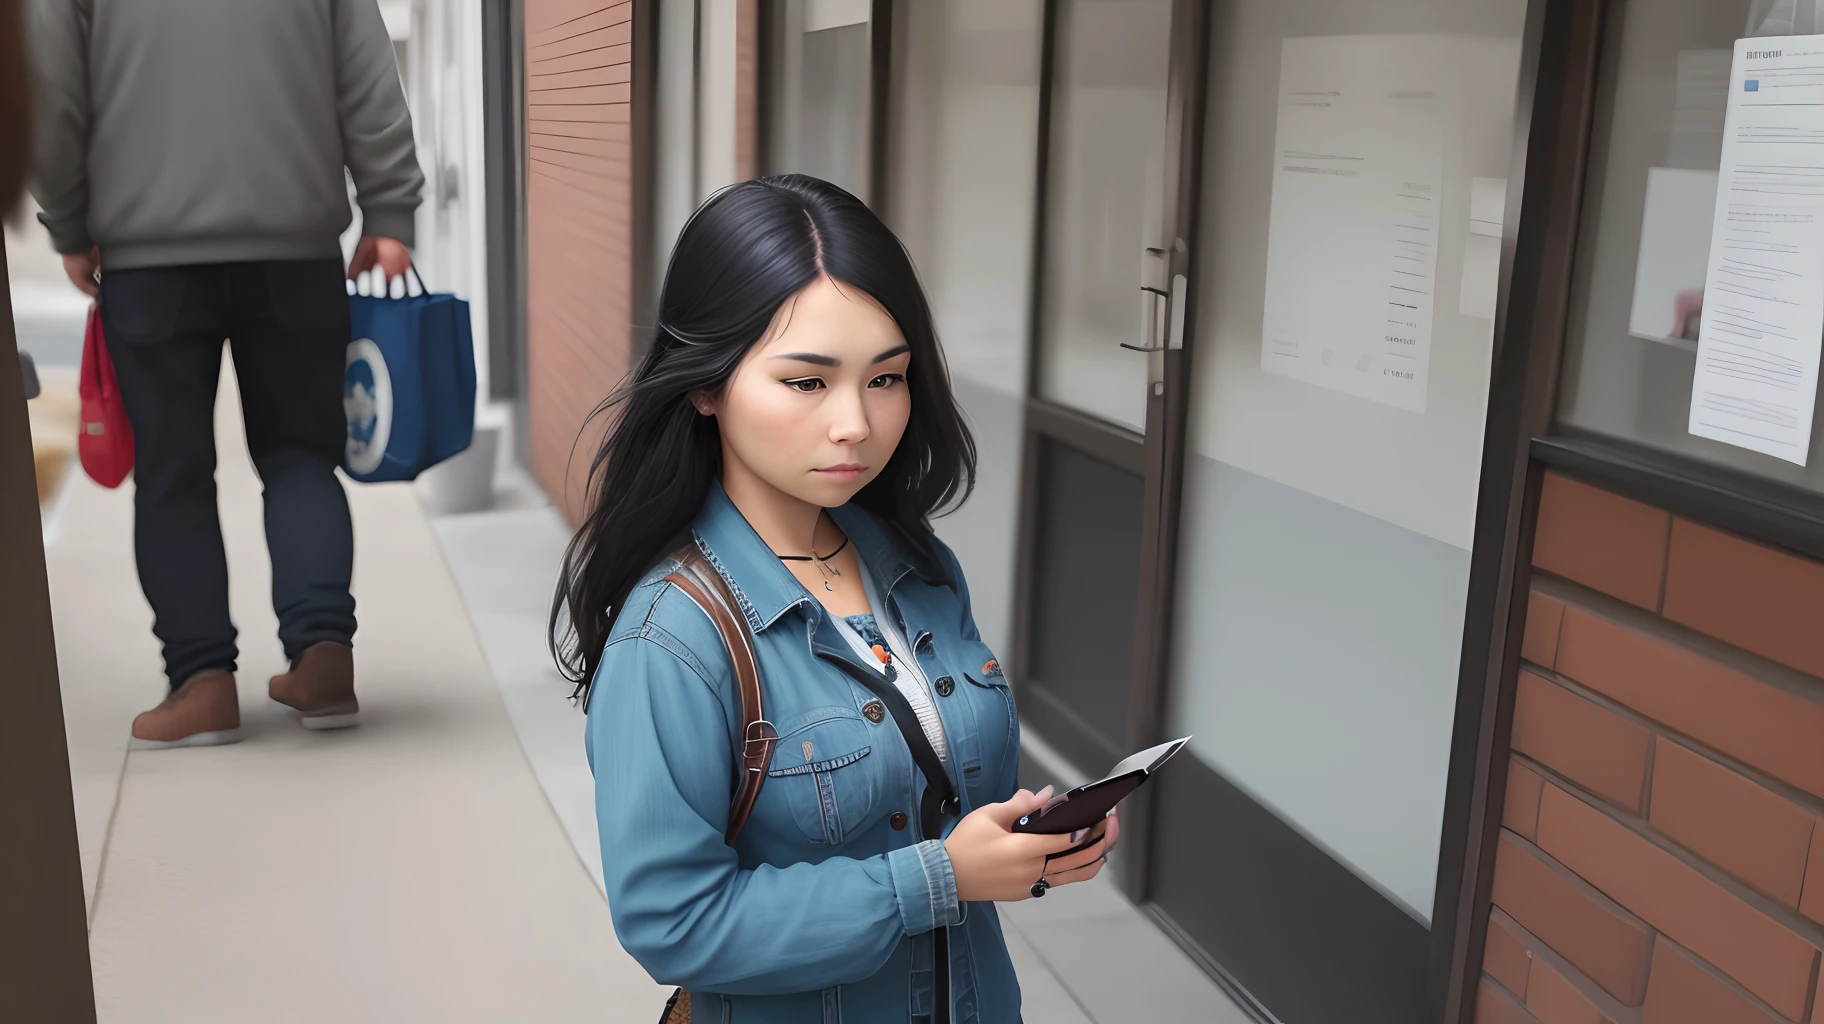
(439, 862)
(406, 870)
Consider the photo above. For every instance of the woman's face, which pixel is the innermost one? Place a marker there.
(818, 405)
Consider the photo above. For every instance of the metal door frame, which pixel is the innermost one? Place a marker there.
(1560, 69)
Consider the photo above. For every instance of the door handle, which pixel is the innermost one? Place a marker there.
(1155, 316)
(1155, 301)
(1161, 304)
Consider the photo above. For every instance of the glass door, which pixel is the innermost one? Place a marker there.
(1123, 88)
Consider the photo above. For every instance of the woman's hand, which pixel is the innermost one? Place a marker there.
(993, 862)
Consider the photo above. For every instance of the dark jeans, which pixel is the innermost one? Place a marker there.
(287, 323)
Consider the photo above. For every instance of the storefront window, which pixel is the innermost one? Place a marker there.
(1645, 295)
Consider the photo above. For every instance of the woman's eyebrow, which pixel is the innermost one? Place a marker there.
(822, 360)
(811, 357)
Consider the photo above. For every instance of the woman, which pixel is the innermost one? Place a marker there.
(794, 421)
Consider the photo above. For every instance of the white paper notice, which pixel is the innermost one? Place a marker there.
(1352, 248)
(1763, 319)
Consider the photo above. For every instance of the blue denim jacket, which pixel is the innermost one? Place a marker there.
(824, 910)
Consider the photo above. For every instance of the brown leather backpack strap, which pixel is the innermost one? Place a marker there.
(700, 582)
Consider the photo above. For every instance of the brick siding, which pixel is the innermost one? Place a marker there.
(579, 234)
(1662, 849)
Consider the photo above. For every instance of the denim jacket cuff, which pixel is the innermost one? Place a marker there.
(925, 886)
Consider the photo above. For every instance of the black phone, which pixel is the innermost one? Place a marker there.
(1087, 804)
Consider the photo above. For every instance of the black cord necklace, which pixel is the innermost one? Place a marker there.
(823, 562)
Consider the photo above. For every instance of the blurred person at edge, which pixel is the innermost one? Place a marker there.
(189, 160)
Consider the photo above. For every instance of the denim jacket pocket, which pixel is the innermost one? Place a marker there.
(993, 711)
(984, 669)
(823, 768)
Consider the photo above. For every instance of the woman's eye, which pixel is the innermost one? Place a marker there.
(886, 380)
(805, 384)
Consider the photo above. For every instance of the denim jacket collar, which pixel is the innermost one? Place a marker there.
(762, 584)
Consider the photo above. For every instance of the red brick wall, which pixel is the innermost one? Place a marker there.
(1665, 797)
(747, 89)
(579, 212)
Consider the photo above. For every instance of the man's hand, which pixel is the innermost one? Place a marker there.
(84, 269)
(390, 255)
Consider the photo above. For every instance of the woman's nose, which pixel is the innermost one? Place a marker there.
(848, 421)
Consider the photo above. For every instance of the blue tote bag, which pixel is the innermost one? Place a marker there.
(409, 387)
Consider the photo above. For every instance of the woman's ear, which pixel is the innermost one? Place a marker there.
(704, 404)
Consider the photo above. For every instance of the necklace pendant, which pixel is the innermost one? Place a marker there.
(826, 586)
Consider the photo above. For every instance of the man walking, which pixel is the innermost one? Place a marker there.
(189, 163)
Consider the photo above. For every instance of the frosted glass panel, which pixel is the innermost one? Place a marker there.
(1102, 206)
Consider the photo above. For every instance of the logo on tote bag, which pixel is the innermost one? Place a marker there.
(367, 402)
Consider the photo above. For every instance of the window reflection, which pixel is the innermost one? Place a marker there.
(1644, 247)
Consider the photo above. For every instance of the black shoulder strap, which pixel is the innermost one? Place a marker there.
(940, 802)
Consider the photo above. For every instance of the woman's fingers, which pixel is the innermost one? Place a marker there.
(1055, 844)
(1073, 866)
(1108, 828)
(1088, 855)
(1081, 874)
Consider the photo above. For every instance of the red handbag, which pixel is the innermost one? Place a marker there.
(106, 442)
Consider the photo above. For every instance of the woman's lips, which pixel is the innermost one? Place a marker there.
(846, 471)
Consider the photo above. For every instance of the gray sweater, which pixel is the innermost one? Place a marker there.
(171, 132)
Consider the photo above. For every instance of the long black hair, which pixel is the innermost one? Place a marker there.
(746, 252)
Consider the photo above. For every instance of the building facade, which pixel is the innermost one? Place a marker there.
(1340, 353)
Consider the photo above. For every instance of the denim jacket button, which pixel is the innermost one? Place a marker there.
(874, 711)
(898, 821)
(945, 686)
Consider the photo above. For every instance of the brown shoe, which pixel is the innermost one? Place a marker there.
(320, 687)
(203, 712)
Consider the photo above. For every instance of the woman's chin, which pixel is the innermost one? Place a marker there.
(832, 492)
